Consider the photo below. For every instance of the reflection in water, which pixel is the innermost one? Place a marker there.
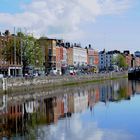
(34, 117)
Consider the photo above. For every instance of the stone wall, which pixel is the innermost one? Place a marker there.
(50, 81)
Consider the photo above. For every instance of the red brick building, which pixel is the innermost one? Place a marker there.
(92, 57)
(10, 58)
(128, 58)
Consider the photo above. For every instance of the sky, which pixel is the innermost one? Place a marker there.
(105, 24)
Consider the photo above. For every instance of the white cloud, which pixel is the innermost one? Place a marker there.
(75, 129)
(61, 17)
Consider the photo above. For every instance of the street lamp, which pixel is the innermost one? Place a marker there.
(15, 50)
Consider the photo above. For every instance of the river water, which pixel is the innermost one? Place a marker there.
(105, 111)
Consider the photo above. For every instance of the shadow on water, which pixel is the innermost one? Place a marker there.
(23, 115)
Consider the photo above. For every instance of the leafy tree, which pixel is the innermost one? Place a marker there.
(9, 48)
(27, 50)
(120, 61)
(31, 52)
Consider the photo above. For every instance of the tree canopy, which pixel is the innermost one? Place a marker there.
(26, 49)
(120, 61)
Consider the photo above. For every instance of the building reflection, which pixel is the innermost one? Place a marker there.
(18, 118)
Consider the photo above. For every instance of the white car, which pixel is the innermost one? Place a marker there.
(54, 72)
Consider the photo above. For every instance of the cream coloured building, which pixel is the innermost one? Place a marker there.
(77, 56)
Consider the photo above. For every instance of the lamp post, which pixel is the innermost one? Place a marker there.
(15, 51)
(21, 46)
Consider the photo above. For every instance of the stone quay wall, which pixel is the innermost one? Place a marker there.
(50, 81)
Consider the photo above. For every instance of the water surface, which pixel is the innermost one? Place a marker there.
(106, 111)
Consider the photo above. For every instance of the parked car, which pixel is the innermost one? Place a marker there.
(53, 72)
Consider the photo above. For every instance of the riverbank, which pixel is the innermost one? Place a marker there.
(18, 84)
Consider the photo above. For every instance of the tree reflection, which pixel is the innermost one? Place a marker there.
(24, 119)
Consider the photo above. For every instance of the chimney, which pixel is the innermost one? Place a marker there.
(89, 46)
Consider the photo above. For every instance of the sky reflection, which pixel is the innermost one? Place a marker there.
(76, 129)
(106, 111)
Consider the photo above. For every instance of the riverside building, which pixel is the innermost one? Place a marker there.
(10, 55)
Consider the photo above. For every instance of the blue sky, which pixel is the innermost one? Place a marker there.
(12, 7)
(109, 24)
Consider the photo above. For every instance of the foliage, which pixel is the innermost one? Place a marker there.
(120, 61)
(9, 48)
(32, 53)
(27, 50)
(122, 93)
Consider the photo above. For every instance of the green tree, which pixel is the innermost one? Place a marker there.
(31, 52)
(9, 49)
(120, 61)
(28, 52)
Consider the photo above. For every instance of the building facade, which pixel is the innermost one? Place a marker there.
(10, 55)
(77, 56)
(102, 60)
(49, 52)
(70, 56)
(92, 57)
(128, 58)
(54, 54)
(106, 59)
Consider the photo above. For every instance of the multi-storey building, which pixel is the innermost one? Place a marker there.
(63, 55)
(106, 59)
(54, 53)
(96, 58)
(10, 55)
(102, 60)
(70, 56)
(110, 55)
(77, 56)
(58, 58)
(63, 59)
(92, 57)
(128, 58)
(49, 52)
